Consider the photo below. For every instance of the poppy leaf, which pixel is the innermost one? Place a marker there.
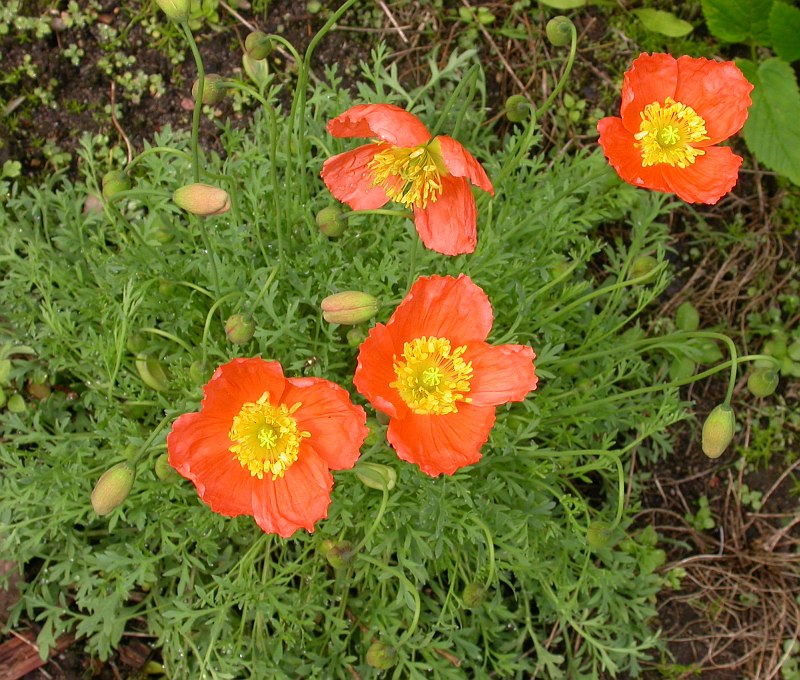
(665, 23)
(771, 131)
(784, 27)
(738, 20)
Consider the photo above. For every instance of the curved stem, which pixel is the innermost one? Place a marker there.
(375, 523)
(156, 149)
(198, 102)
(573, 48)
(168, 336)
(490, 548)
(146, 446)
(210, 316)
(395, 571)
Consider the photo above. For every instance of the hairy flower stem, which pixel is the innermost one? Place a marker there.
(562, 81)
(198, 102)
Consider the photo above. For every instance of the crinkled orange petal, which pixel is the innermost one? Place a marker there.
(350, 180)
(708, 179)
(651, 78)
(718, 92)
(375, 371)
(460, 163)
(336, 425)
(387, 122)
(240, 381)
(442, 444)
(500, 373)
(449, 226)
(626, 159)
(442, 307)
(199, 449)
(297, 500)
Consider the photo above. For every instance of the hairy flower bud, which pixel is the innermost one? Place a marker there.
(762, 382)
(381, 656)
(517, 108)
(239, 329)
(152, 374)
(113, 488)
(177, 10)
(349, 308)
(559, 31)
(376, 476)
(214, 89)
(164, 471)
(115, 181)
(202, 199)
(257, 45)
(473, 594)
(355, 336)
(718, 430)
(645, 265)
(330, 222)
(338, 553)
(16, 403)
(598, 535)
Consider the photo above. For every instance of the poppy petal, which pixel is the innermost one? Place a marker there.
(708, 179)
(375, 371)
(337, 427)
(296, 500)
(461, 163)
(442, 444)
(387, 122)
(500, 373)
(651, 78)
(448, 226)
(626, 159)
(199, 449)
(718, 92)
(443, 307)
(349, 178)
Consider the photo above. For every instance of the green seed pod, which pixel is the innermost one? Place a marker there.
(239, 329)
(214, 89)
(376, 476)
(559, 31)
(338, 553)
(645, 265)
(718, 430)
(177, 10)
(115, 181)
(330, 222)
(686, 317)
(381, 656)
(762, 383)
(164, 471)
(257, 45)
(202, 199)
(349, 308)
(113, 488)
(152, 374)
(517, 108)
(473, 594)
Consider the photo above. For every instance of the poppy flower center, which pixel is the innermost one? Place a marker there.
(432, 377)
(265, 437)
(409, 175)
(667, 132)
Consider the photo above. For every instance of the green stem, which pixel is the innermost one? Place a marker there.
(375, 523)
(573, 48)
(453, 98)
(490, 548)
(210, 316)
(412, 264)
(198, 102)
(156, 149)
(411, 589)
(146, 446)
(168, 336)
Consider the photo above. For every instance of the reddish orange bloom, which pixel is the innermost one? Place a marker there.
(432, 371)
(406, 165)
(674, 113)
(263, 444)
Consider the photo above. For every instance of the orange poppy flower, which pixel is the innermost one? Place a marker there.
(674, 113)
(264, 445)
(406, 165)
(432, 371)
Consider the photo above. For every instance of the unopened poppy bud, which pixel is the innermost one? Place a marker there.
(355, 336)
(92, 205)
(39, 390)
(349, 308)
(202, 199)
(135, 343)
(643, 266)
(686, 317)
(718, 430)
(164, 471)
(559, 31)
(115, 181)
(762, 382)
(381, 656)
(338, 553)
(376, 476)
(198, 372)
(177, 10)
(152, 374)
(257, 45)
(473, 595)
(214, 89)
(330, 222)
(16, 404)
(239, 329)
(598, 535)
(517, 108)
(113, 488)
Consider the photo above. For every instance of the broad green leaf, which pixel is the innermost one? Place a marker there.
(784, 28)
(665, 23)
(739, 20)
(771, 130)
(564, 4)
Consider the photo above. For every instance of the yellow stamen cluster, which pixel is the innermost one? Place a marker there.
(266, 439)
(411, 176)
(431, 377)
(667, 132)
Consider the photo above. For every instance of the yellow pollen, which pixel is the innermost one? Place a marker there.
(265, 437)
(432, 377)
(667, 133)
(409, 175)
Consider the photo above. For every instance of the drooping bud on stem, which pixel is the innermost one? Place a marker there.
(381, 656)
(330, 222)
(762, 382)
(239, 329)
(214, 89)
(257, 45)
(202, 199)
(349, 308)
(376, 476)
(718, 430)
(559, 31)
(338, 553)
(115, 181)
(113, 488)
(517, 108)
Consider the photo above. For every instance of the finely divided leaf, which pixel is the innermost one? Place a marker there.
(665, 23)
(784, 28)
(738, 20)
(771, 130)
